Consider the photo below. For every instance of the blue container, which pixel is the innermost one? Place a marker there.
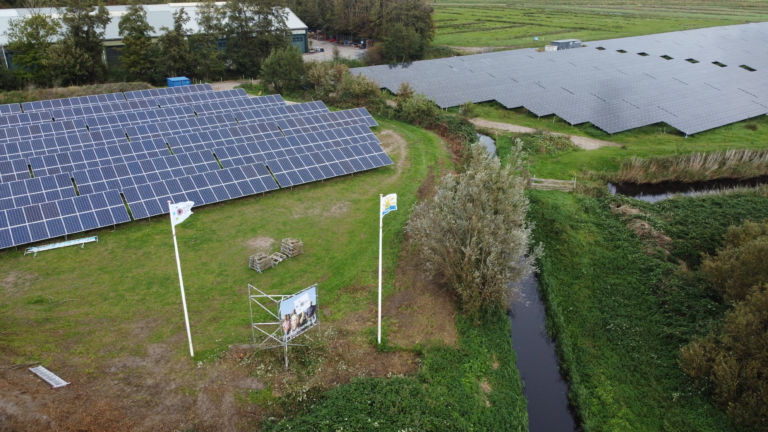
(177, 81)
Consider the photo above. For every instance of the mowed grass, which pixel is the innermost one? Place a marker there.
(657, 139)
(76, 307)
(514, 24)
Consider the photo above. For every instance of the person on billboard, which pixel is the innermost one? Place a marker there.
(294, 321)
(287, 325)
(311, 312)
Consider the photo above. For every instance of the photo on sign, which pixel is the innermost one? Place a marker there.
(299, 313)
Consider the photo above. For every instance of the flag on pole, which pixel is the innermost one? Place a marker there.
(180, 212)
(388, 204)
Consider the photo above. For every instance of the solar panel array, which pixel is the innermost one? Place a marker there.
(72, 165)
(616, 84)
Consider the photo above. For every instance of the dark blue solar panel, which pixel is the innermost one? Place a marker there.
(20, 235)
(5, 238)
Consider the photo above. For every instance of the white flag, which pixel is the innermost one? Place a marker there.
(180, 212)
(388, 204)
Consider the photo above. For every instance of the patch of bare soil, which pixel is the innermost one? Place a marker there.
(158, 391)
(396, 148)
(583, 142)
(339, 209)
(17, 281)
(312, 210)
(650, 236)
(420, 311)
(260, 243)
(625, 210)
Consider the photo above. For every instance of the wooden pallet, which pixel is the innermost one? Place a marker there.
(549, 184)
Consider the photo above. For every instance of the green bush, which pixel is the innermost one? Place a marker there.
(733, 363)
(741, 264)
(418, 110)
(473, 235)
(283, 70)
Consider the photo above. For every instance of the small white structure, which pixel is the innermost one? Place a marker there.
(550, 48)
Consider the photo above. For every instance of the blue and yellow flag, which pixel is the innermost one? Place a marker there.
(388, 204)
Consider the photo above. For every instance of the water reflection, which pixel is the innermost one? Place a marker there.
(488, 142)
(545, 388)
(661, 191)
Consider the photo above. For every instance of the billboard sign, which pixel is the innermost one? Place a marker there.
(299, 313)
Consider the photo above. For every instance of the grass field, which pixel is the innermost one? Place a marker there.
(621, 314)
(514, 24)
(130, 274)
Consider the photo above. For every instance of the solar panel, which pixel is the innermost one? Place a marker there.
(156, 145)
(599, 84)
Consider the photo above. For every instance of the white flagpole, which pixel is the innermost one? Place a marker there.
(181, 283)
(381, 218)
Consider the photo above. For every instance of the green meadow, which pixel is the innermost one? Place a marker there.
(515, 24)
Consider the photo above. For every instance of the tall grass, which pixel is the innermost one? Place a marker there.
(621, 314)
(734, 164)
(36, 94)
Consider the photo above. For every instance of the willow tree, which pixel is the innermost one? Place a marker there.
(473, 234)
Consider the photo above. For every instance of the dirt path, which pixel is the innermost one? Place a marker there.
(582, 142)
(226, 85)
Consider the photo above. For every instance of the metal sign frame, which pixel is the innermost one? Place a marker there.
(271, 337)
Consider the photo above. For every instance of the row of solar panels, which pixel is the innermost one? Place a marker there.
(31, 132)
(280, 156)
(335, 145)
(230, 98)
(103, 136)
(262, 140)
(102, 99)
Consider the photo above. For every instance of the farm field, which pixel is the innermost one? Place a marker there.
(515, 24)
(621, 307)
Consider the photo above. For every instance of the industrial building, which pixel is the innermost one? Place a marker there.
(158, 16)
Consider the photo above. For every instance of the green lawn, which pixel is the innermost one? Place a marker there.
(514, 24)
(128, 280)
(620, 315)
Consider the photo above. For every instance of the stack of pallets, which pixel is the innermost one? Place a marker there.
(292, 247)
(261, 262)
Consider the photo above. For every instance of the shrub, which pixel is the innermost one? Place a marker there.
(734, 363)
(740, 265)
(467, 110)
(473, 235)
(418, 110)
(283, 70)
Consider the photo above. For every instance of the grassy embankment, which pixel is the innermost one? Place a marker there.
(480, 23)
(37, 94)
(621, 314)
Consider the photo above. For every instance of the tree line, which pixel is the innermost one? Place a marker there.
(403, 28)
(233, 39)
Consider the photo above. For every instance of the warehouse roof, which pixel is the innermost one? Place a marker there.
(158, 15)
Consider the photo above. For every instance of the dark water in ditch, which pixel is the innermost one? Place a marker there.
(544, 386)
(661, 191)
(488, 142)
